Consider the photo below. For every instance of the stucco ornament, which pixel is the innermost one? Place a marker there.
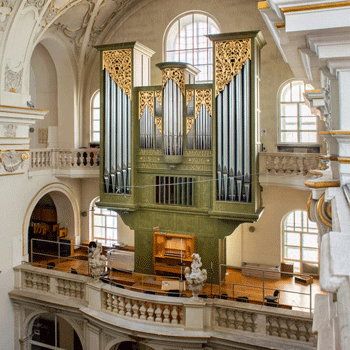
(196, 277)
(12, 160)
(97, 261)
(10, 130)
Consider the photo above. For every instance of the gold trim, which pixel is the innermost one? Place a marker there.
(25, 156)
(329, 209)
(344, 160)
(189, 95)
(146, 98)
(28, 109)
(15, 138)
(230, 56)
(315, 7)
(325, 132)
(158, 121)
(177, 75)
(262, 5)
(158, 94)
(340, 132)
(11, 174)
(312, 91)
(14, 144)
(118, 65)
(203, 97)
(319, 212)
(17, 150)
(12, 90)
(189, 123)
(308, 206)
(322, 184)
(280, 25)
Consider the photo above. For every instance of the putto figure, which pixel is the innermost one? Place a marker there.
(196, 277)
(97, 261)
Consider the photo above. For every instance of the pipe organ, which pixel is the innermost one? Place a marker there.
(181, 156)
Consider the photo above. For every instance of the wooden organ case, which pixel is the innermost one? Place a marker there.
(182, 156)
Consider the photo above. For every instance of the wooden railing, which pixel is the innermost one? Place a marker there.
(209, 315)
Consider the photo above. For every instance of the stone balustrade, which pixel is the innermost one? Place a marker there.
(66, 162)
(287, 169)
(258, 324)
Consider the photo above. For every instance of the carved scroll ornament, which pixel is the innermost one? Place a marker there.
(159, 96)
(146, 98)
(189, 123)
(230, 56)
(118, 65)
(177, 75)
(203, 97)
(158, 122)
(189, 95)
(11, 160)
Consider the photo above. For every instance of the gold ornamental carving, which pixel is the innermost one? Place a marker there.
(322, 212)
(146, 98)
(159, 96)
(203, 97)
(189, 123)
(158, 122)
(189, 95)
(230, 56)
(177, 75)
(118, 65)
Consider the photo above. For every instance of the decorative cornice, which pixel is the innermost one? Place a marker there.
(203, 97)
(324, 184)
(316, 7)
(230, 56)
(118, 65)
(177, 75)
(146, 98)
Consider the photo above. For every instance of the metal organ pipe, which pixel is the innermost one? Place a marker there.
(107, 169)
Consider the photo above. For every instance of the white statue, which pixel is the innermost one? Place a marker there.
(97, 261)
(197, 277)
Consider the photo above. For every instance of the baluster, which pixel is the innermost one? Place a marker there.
(293, 165)
(253, 317)
(300, 163)
(276, 166)
(150, 312)
(121, 306)
(35, 281)
(92, 162)
(97, 158)
(59, 286)
(284, 164)
(174, 315)
(244, 321)
(105, 301)
(236, 322)
(135, 309)
(158, 313)
(166, 314)
(75, 158)
(230, 319)
(128, 308)
(78, 158)
(182, 312)
(143, 311)
(85, 158)
(268, 164)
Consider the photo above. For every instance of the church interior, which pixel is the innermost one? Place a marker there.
(174, 175)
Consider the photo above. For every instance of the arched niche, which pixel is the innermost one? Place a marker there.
(67, 208)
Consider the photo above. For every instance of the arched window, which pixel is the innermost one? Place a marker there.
(186, 41)
(104, 225)
(300, 244)
(95, 117)
(296, 122)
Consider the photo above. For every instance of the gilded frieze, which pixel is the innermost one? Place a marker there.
(189, 95)
(146, 98)
(203, 97)
(177, 75)
(118, 65)
(158, 122)
(159, 96)
(230, 56)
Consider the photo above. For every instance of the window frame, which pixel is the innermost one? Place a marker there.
(101, 239)
(299, 131)
(95, 95)
(303, 230)
(177, 19)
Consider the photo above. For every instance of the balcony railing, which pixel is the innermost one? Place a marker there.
(182, 314)
(66, 162)
(287, 169)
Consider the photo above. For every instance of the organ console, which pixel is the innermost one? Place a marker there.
(181, 156)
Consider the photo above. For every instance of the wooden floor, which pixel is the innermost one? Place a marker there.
(293, 295)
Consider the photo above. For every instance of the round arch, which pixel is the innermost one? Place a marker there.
(29, 322)
(59, 193)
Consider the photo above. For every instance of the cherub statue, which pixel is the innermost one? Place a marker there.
(197, 277)
(97, 261)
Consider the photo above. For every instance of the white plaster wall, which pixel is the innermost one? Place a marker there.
(43, 89)
(263, 246)
(16, 194)
(148, 25)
